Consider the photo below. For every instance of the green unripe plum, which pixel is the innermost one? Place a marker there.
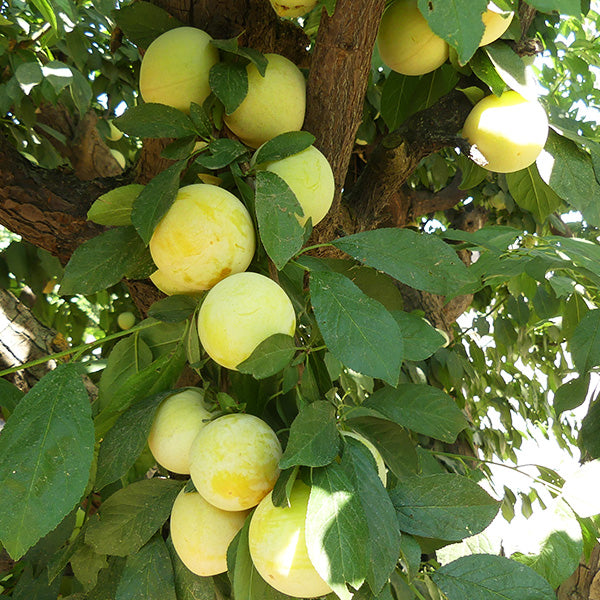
(275, 103)
(292, 8)
(509, 131)
(201, 533)
(495, 22)
(381, 469)
(234, 461)
(176, 424)
(175, 68)
(406, 43)
(309, 175)
(118, 156)
(278, 546)
(115, 134)
(239, 313)
(126, 320)
(206, 235)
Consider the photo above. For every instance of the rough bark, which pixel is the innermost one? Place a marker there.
(47, 208)
(584, 584)
(22, 339)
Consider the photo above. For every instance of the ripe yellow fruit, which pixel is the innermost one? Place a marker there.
(309, 175)
(206, 235)
(381, 469)
(496, 23)
(278, 546)
(406, 43)
(202, 532)
(115, 134)
(239, 313)
(509, 131)
(234, 461)
(175, 68)
(292, 8)
(166, 285)
(126, 320)
(275, 103)
(176, 424)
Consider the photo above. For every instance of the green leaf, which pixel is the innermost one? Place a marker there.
(571, 175)
(29, 74)
(114, 207)
(561, 547)
(173, 309)
(458, 22)
(86, 564)
(282, 146)
(158, 376)
(336, 530)
(421, 339)
(572, 394)
(283, 487)
(81, 92)
(232, 47)
(126, 440)
(383, 542)
(269, 357)
(201, 120)
(590, 430)
(484, 69)
(30, 587)
(585, 342)
(10, 396)
(131, 516)
(403, 96)
(531, 193)
(444, 506)
(127, 357)
(358, 330)
(47, 11)
(46, 451)
(108, 580)
(422, 408)
(155, 200)
(392, 441)
(229, 82)
(102, 261)
(511, 68)
(154, 120)
(142, 22)
(223, 152)
(277, 212)
(563, 7)
(314, 439)
(422, 261)
(487, 577)
(148, 574)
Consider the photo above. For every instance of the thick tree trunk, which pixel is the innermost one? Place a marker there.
(584, 584)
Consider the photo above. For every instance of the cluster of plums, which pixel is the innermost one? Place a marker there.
(233, 464)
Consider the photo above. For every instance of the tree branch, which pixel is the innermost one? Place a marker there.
(47, 208)
(337, 85)
(398, 154)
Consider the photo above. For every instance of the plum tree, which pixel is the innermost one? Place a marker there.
(258, 119)
(206, 235)
(175, 68)
(239, 313)
(509, 131)
(234, 461)
(309, 175)
(406, 43)
(278, 546)
(176, 424)
(201, 533)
